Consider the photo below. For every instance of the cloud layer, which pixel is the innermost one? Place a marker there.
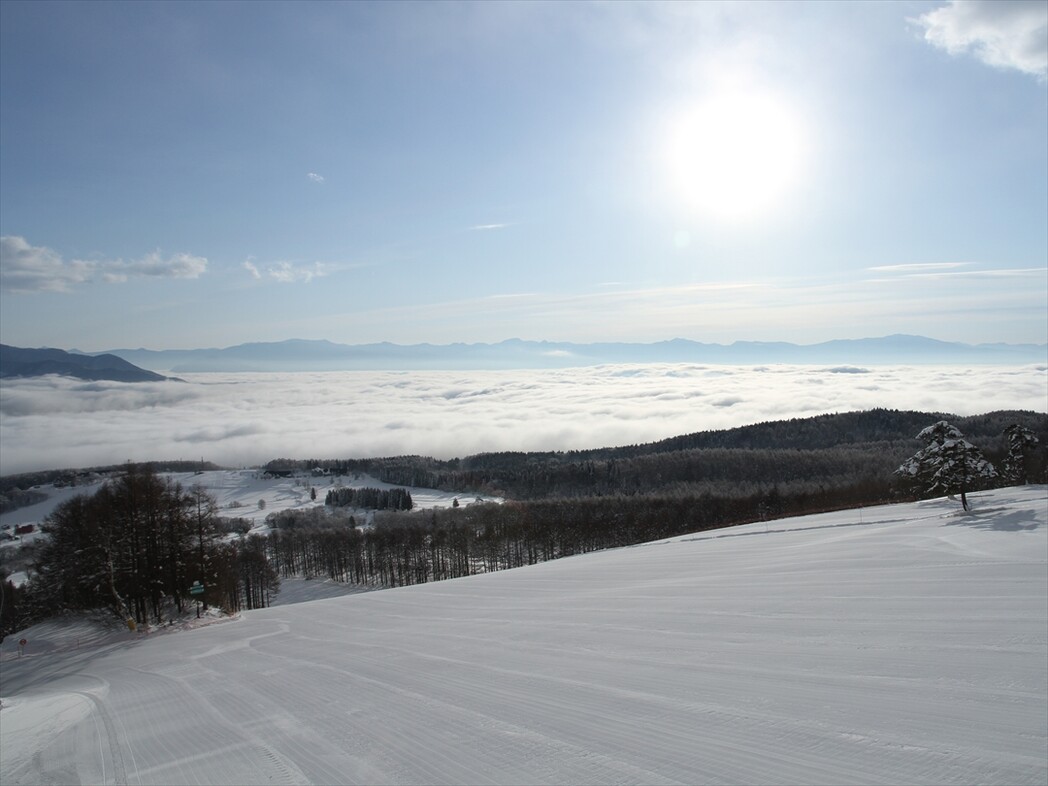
(26, 268)
(1010, 34)
(245, 419)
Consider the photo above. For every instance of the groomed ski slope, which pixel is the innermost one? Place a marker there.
(906, 646)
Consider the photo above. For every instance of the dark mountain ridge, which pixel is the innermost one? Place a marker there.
(20, 362)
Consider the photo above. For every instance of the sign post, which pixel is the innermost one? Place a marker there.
(197, 589)
(21, 646)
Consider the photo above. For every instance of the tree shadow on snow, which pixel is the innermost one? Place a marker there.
(999, 520)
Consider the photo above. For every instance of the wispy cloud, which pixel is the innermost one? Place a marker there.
(288, 272)
(944, 270)
(315, 177)
(1007, 34)
(486, 227)
(918, 267)
(26, 268)
(250, 267)
(174, 266)
(800, 310)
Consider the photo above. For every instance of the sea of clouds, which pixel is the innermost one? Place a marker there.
(247, 419)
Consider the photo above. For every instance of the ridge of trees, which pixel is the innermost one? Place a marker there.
(852, 448)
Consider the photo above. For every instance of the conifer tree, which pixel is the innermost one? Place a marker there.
(947, 464)
(1019, 439)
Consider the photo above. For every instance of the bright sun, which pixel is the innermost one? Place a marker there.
(736, 155)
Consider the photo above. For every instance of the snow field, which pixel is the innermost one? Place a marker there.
(238, 491)
(245, 487)
(899, 644)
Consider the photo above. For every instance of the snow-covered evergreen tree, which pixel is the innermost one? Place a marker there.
(1019, 439)
(947, 464)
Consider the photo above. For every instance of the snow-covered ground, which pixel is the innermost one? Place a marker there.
(238, 492)
(899, 644)
(37, 512)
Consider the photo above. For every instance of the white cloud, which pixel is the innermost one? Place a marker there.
(918, 267)
(289, 272)
(175, 266)
(237, 419)
(315, 177)
(949, 270)
(249, 266)
(485, 227)
(26, 268)
(1011, 34)
(1023, 272)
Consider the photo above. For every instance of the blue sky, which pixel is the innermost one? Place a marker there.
(205, 174)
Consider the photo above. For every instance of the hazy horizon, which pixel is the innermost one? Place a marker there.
(208, 174)
(552, 341)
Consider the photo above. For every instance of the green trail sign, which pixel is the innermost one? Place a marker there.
(196, 589)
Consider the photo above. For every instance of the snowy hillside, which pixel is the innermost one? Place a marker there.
(238, 491)
(900, 644)
(238, 494)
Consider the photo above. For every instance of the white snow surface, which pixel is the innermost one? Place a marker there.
(243, 488)
(897, 644)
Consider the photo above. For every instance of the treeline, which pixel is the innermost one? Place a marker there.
(72, 477)
(17, 498)
(371, 498)
(800, 455)
(414, 548)
(137, 546)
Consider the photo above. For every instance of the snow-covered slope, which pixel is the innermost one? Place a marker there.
(901, 644)
(249, 494)
(238, 492)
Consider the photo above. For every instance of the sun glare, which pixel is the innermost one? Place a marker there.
(734, 156)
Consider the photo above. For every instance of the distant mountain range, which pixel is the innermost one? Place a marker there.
(18, 362)
(303, 355)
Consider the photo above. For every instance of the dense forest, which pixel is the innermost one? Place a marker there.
(850, 456)
(373, 499)
(138, 545)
